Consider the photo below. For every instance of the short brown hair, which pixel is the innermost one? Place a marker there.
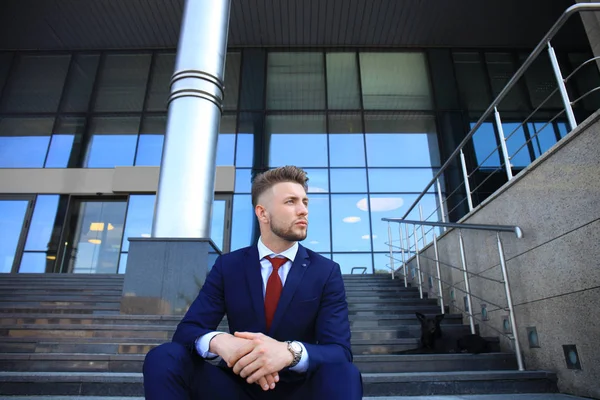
(267, 180)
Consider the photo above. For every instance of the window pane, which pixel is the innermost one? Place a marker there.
(159, 89)
(68, 131)
(350, 223)
(140, 212)
(5, 63)
(346, 142)
(396, 140)
(36, 263)
(24, 142)
(541, 81)
(98, 237)
(80, 83)
(318, 238)
(348, 180)
(383, 263)
(544, 139)
(517, 150)
(42, 223)
(12, 215)
(122, 83)
(357, 261)
(297, 140)
(295, 81)
(242, 224)
(394, 206)
(113, 142)
(472, 82)
(232, 80)
(484, 141)
(251, 128)
(150, 144)
(226, 141)
(318, 180)
(400, 180)
(217, 226)
(342, 81)
(243, 180)
(395, 81)
(36, 83)
(123, 263)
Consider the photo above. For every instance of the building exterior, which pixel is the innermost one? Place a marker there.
(369, 96)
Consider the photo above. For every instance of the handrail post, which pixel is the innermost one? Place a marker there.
(391, 249)
(418, 261)
(511, 308)
(503, 147)
(561, 87)
(402, 251)
(422, 226)
(408, 246)
(463, 260)
(440, 201)
(439, 275)
(466, 179)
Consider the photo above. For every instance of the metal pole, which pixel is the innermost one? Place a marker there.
(418, 261)
(511, 308)
(463, 260)
(391, 249)
(403, 258)
(507, 165)
(440, 200)
(439, 274)
(187, 175)
(466, 179)
(407, 245)
(562, 88)
(422, 226)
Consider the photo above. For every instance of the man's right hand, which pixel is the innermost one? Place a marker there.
(232, 348)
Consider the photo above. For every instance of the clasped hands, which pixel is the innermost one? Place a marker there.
(255, 357)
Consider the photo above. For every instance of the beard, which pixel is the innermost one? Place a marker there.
(287, 233)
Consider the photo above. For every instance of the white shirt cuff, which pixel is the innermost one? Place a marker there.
(203, 345)
(302, 365)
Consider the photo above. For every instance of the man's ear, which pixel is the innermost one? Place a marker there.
(261, 213)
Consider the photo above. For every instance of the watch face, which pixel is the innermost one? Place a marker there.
(296, 347)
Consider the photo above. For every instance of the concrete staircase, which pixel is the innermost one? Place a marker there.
(63, 335)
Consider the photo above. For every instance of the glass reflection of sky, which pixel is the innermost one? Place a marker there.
(109, 151)
(401, 150)
(23, 151)
(348, 180)
(350, 224)
(347, 150)
(60, 151)
(303, 150)
(12, 215)
(400, 180)
(149, 151)
(349, 261)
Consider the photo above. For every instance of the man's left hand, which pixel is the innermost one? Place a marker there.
(268, 356)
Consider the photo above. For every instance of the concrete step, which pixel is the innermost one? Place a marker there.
(389, 363)
(390, 303)
(407, 331)
(394, 310)
(382, 384)
(527, 396)
(61, 309)
(60, 297)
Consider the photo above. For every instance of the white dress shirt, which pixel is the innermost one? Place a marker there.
(203, 342)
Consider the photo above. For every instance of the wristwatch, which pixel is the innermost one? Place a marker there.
(296, 349)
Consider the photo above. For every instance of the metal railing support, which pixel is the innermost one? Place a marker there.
(562, 88)
(422, 227)
(463, 260)
(439, 274)
(408, 246)
(418, 256)
(466, 179)
(511, 309)
(503, 147)
(391, 249)
(440, 200)
(403, 257)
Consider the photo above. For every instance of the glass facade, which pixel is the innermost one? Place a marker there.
(364, 125)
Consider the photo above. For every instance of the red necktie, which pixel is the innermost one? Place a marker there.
(274, 288)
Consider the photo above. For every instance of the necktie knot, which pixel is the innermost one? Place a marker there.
(276, 262)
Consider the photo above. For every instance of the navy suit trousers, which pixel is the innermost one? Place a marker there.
(172, 373)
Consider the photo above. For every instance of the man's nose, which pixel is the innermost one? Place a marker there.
(302, 210)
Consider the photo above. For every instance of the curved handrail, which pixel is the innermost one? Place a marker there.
(577, 8)
(482, 227)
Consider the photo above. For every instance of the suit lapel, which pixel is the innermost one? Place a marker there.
(292, 282)
(255, 285)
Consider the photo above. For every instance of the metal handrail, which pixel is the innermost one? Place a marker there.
(483, 227)
(577, 8)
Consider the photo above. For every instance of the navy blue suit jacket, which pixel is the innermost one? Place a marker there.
(312, 308)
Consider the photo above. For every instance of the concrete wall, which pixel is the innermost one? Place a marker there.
(554, 270)
(94, 180)
(591, 24)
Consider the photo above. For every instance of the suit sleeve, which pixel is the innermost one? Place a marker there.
(206, 311)
(332, 326)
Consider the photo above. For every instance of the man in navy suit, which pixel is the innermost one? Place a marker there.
(287, 313)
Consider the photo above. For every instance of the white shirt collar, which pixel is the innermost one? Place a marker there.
(264, 251)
